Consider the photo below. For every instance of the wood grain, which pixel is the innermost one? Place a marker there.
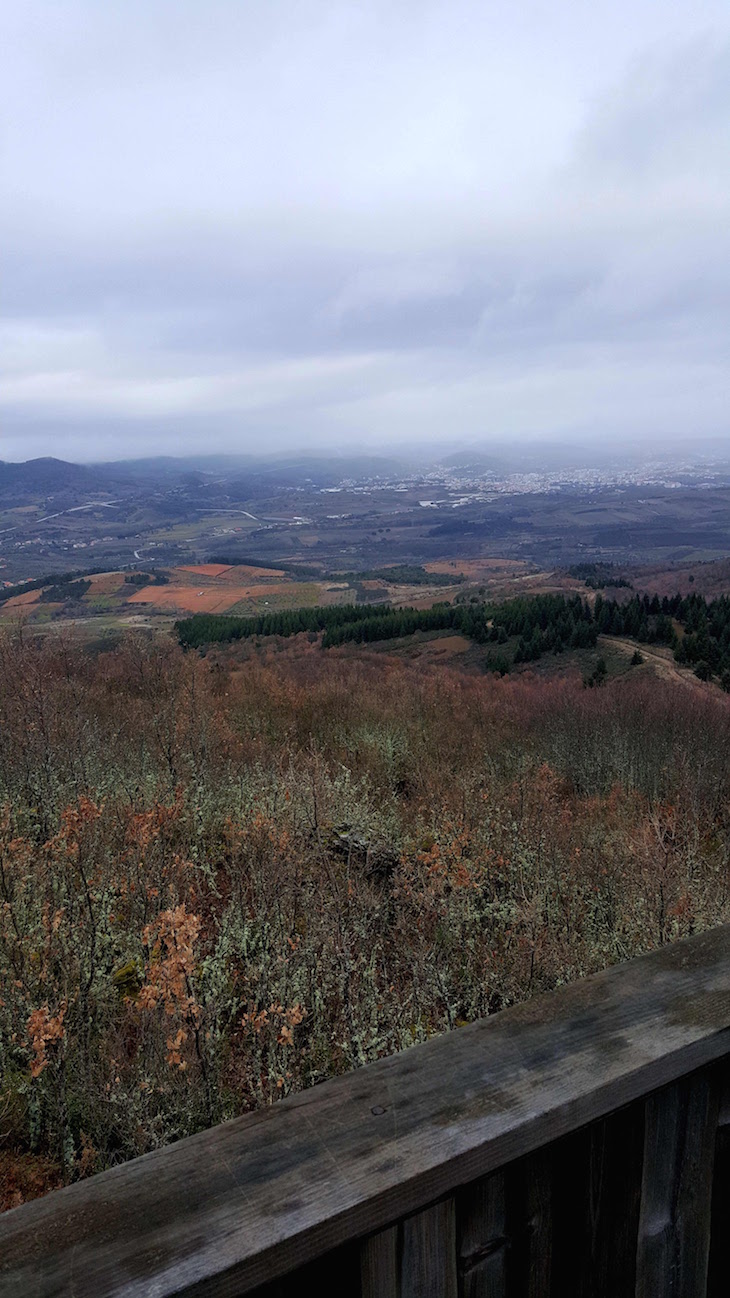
(530, 1217)
(221, 1213)
(428, 1258)
(597, 1175)
(676, 1192)
(719, 1263)
(482, 1238)
(380, 1264)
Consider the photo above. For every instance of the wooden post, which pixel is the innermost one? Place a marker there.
(428, 1265)
(380, 1265)
(482, 1239)
(719, 1264)
(676, 1191)
(597, 1192)
(530, 1208)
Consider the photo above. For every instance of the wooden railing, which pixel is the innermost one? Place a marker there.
(574, 1145)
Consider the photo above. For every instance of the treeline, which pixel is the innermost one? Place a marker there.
(706, 641)
(545, 624)
(217, 628)
(63, 591)
(400, 574)
(643, 617)
(301, 570)
(53, 578)
(551, 623)
(391, 624)
(598, 575)
(153, 578)
(541, 624)
(343, 623)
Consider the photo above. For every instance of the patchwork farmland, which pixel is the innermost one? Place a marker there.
(136, 598)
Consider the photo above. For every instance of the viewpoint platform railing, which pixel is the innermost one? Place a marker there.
(575, 1145)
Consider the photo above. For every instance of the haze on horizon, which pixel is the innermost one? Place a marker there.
(236, 227)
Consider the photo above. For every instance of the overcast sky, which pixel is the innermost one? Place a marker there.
(250, 224)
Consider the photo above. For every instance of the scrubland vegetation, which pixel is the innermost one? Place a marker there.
(542, 624)
(226, 878)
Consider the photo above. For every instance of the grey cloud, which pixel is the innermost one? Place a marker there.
(327, 220)
(669, 115)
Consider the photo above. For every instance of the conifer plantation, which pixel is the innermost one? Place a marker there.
(544, 624)
(226, 877)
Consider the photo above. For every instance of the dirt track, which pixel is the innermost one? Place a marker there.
(665, 667)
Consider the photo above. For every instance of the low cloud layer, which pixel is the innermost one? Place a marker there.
(239, 226)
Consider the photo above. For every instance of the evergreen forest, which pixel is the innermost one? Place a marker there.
(697, 629)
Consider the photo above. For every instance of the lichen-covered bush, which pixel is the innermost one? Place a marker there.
(225, 879)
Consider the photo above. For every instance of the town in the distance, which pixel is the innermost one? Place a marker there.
(428, 556)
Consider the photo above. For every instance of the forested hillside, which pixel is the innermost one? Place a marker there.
(223, 881)
(697, 629)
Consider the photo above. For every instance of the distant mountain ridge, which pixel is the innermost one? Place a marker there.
(46, 476)
(295, 466)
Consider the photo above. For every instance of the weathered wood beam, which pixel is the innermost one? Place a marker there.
(676, 1194)
(223, 1212)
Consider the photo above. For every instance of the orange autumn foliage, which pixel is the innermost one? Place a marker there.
(223, 879)
(43, 1029)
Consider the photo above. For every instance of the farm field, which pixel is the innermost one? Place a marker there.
(468, 765)
(55, 515)
(244, 589)
(21, 601)
(479, 568)
(206, 569)
(106, 583)
(233, 571)
(155, 598)
(195, 588)
(217, 598)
